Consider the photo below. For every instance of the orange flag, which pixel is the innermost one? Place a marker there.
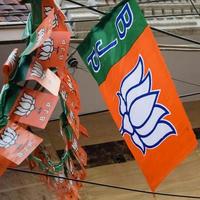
(137, 87)
(33, 108)
(16, 143)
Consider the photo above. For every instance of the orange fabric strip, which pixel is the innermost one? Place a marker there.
(157, 162)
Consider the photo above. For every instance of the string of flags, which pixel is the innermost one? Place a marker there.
(132, 77)
(22, 105)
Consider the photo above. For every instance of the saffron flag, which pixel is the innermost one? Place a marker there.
(26, 106)
(41, 34)
(16, 143)
(33, 108)
(136, 85)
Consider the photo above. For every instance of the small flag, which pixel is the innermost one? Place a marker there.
(41, 34)
(136, 85)
(16, 143)
(33, 108)
(45, 77)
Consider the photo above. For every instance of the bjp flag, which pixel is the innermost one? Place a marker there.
(16, 144)
(136, 85)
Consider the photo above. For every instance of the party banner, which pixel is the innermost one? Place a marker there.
(16, 143)
(136, 85)
(32, 107)
(41, 34)
(48, 79)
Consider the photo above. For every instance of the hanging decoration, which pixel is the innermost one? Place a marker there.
(136, 85)
(23, 105)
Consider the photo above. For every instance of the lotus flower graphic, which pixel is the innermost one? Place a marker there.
(40, 35)
(69, 83)
(13, 57)
(64, 95)
(47, 10)
(75, 145)
(9, 138)
(46, 49)
(38, 71)
(142, 116)
(26, 105)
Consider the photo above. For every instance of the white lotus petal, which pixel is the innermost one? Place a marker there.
(158, 113)
(46, 48)
(27, 96)
(37, 75)
(19, 113)
(122, 104)
(141, 109)
(47, 10)
(2, 143)
(133, 78)
(37, 70)
(26, 100)
(10, 130)
(45, 54)
(161, 132)
(52, 48)
(49, 41)
(12, 142)
(55, 21)
(139, 90)
(28, 113)
(6, 139)
(37, 64)
(25, 105)
(138, 142)
(22, 110)
(32, 107)
(8, 134)
(127, 127)
(43, 58)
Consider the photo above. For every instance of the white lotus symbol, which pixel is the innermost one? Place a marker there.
(13, 57)
(75, 145)
(69, 83)
(47, 10)
(26, 105)
(38, 71)
(46, 49)
(40, 35)
(142, 116)
(64, 95)
(9, 138)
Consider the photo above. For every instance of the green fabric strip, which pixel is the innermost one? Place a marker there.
(28, 29)
(108, 31)
(36, 16)
(8, 96)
